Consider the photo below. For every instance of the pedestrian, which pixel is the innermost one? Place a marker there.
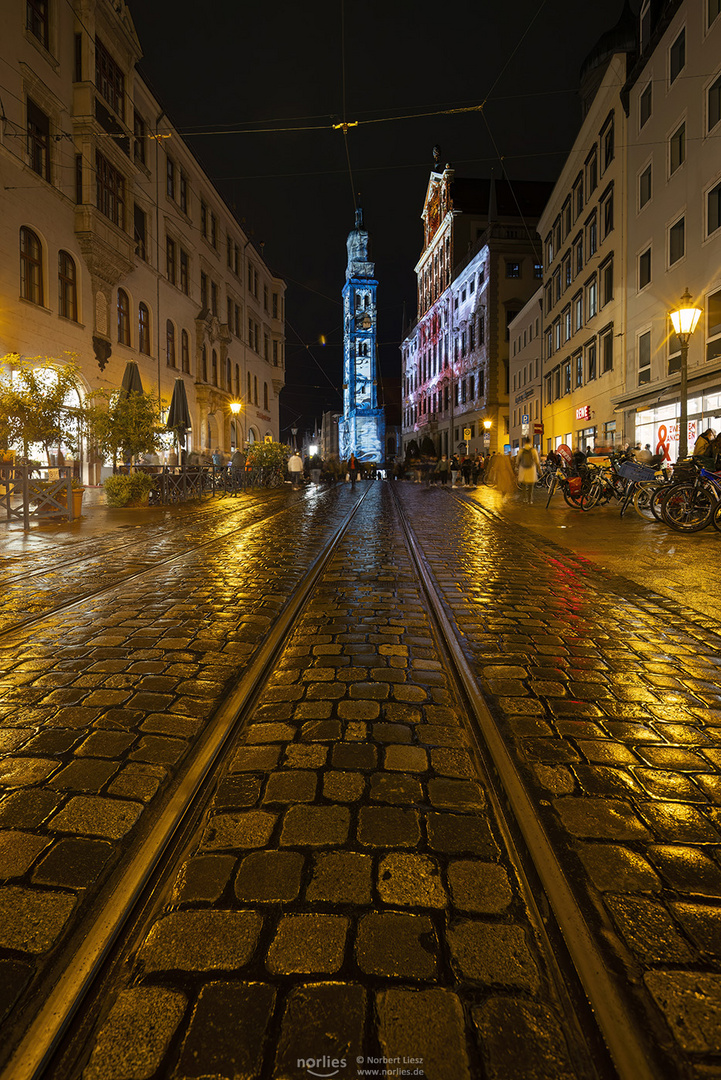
(504, 477)
(455, 470)
(315, 466)
(466, 469)
(353, 469)
(528, 465)
(295, 468)
(442, 469)
(703, 447)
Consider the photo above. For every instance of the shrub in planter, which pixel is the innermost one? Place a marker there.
(122, 490)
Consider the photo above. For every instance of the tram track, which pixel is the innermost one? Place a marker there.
(602, 1029)
(124, 574)
(70, 982)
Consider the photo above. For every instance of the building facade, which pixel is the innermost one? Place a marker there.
(673, 96)
(526, 374)
(115, 245)
(479, 265)
(362, 427)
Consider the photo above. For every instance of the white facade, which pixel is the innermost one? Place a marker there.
(583, 229)
(114, 244)
(526, 374)
(674, 231)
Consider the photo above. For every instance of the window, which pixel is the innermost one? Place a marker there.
(557, 286)
(714, 7)
(549, 249)
(144, 329)
(644, 187)
(566, 217)
(275, 305)
(567, 323)
(677, 241)
(644, 358)
(214, 367)
(204, 363)
(513, 270)
(566, 377)
(713, 315)
(184, 272)
(578, 197)
(170, 260)
(170, 178)
(606, 273)
(170, 344)
(606, 341)
(644, 105)
(592, 171)
(548, 290)
(578, 254)
(567, 275)
(677, 149)
(549, 342)
(109, 79)
(110, 191)
(591, 235)
(214, 298)
(265, 297)
(36, 15)
(591, 298)
(203, 219)
(38, 140)
(713, 208)
(123, 318)
(677, 56)
(578, 370)
(607, 214)
(67, 287)
(577, 311)
(185, 351)
(255, 389)
(591, 360)
(140, 133)
(644, 268)
(31, 267)
(538, 270)
(713, 99)
(557, 335)
(607, 149)
(183, 192)
(674, 349)
(139, 231)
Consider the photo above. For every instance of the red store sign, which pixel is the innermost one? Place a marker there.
(584, 413)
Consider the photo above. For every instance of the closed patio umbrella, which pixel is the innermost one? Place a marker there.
(131, 383)
(179, 413)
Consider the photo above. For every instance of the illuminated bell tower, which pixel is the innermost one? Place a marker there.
(362, 428)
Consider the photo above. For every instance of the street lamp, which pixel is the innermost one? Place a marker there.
(487, 425)
(684, 323)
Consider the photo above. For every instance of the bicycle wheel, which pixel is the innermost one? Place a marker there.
(573, 500)
(642, 503)
(656, 499)
(688, 508)
(590, 498)
(716, 516)
(551, 490)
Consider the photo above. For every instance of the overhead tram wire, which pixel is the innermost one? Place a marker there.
(308, 349)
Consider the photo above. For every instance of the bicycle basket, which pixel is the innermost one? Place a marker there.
(633, 470)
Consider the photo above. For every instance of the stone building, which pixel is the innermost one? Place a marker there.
(673, 98)
(114, 243)
(479, 265)
(525, 374)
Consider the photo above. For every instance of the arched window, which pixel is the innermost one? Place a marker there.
(170, 343)
(123, 318)
(214, 369)
(205, 364)
(265, 395)
(185, 351)
(67, 287)
(144, 329)
(31, 267)
(255, 389)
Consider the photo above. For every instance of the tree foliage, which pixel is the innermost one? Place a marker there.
(34, 405)
(124, 425)
(269, 455)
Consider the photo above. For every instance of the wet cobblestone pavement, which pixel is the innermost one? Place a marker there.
(350, 893)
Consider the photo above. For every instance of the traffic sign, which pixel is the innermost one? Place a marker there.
(525, 419)
(466, 433)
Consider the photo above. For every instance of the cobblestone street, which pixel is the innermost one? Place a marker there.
(352, 890)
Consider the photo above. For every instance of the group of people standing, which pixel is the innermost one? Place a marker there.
(316, 470)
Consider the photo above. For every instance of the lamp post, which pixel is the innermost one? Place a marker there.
(684, 323)
(235, 408)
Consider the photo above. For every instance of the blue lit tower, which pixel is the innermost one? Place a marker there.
(362, 428)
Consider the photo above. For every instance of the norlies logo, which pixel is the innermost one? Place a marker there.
(314, 1066)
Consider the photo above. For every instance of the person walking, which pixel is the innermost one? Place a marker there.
(442, 469)
(353, 469)
(316, 465)
(295, 468)
(503, 477)
(528, 465)
(455, 470)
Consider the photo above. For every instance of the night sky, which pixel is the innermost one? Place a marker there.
(251, 66)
